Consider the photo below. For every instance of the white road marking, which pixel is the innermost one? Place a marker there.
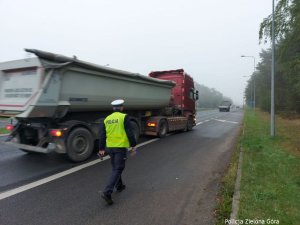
(148, 142)
(226, 121)
(34, 184)
(205, 121)
(48, 179)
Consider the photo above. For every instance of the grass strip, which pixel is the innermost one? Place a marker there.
(226, 191)
(3, 131)
(270, 186)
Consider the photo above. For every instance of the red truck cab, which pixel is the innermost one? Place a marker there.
(182, 101)
(183, 94)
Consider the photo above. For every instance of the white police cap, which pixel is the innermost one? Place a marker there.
(118, 102)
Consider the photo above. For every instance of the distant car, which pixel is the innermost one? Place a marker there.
(225, 106)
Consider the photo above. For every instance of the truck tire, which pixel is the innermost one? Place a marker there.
(190, 124)
(135, 130)
(162, 129)
(80, 144)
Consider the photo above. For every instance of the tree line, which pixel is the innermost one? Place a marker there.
(287, 61)
(209, 97)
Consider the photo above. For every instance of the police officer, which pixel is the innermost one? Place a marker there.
(116, 136)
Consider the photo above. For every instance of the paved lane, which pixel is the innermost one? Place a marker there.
(18, 168)
(170, 181)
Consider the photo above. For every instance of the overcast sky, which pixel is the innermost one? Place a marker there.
(204, 37)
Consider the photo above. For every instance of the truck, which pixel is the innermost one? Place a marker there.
(59, 102)
(225, 106)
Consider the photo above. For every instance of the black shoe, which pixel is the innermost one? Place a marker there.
(121, 188)
(107, 198)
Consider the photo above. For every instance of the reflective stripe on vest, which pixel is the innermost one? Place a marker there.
(116, 136)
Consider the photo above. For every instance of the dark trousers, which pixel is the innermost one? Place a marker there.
(118, 157)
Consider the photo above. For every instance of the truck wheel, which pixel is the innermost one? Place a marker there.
(80, 145)
(135, 130)
(190, 124)
(162, 129)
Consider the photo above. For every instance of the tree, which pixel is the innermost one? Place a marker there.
(209, 97)
(284, 18)
(262, 83)
(287, 33)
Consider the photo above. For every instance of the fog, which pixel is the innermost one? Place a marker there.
(205, 38)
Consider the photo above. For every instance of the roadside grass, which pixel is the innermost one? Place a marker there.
(5, 120)
(270, 185)
(226, 191)
(3, 131)
(289, 129)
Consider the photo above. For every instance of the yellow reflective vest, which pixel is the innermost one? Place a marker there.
(116, 136)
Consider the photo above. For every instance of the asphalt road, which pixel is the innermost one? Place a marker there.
(173, 180)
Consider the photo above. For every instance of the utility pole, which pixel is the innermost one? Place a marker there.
(273, 74)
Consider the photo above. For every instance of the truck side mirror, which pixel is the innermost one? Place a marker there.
(197, 95)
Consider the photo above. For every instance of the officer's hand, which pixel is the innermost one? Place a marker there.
(102, 152)
(133, 151)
